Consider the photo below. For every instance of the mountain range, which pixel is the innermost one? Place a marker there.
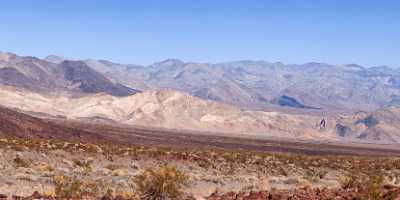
(261, 85)
(313, 101)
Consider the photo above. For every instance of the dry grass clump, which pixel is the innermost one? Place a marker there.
(46, 167)
(113, 167)
(86, 165)
(161, 183)
(368, 186)
(315, 174)
(72, 187)
(66, 187)
(20, 162)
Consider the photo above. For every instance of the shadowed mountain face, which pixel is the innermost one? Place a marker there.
(91, 81)
(11, 76)
(290, 102)
(67, 76)
(258, 84)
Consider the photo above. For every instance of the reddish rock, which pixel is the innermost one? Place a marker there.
(3, 196)
(106, 197)
(15, 197)
(119, 197)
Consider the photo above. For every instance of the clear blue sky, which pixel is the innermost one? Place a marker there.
(142, 32)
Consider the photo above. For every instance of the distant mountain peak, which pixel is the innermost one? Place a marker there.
(170, 62)
(354, 66)
(382, 67)
(107, 62)
(313, 63)
(54, 59)
(5, 56)
(57, 59)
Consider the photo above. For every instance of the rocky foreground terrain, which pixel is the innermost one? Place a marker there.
(55, 169)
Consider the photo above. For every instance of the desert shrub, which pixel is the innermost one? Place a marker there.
(46, 167)
(370, 186)
(113, 167)
(66, 187)
(374, 187)
(162, 183)
(72, 187)
(316, 174)
(20, 162)
(86, 165)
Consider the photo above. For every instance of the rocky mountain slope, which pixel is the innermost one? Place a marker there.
(168, 109)
(67, 76)
(176, 110)
(258, 84)
(16, 124)
(383, 124)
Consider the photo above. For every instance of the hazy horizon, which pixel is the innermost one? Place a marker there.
(194, 61)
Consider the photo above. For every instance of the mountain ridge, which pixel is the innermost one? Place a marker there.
(256, 84)
(68, 76)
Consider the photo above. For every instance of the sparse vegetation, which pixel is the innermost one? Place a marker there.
(73, 187)
(113, 167)
(66, 187)
(86, 165)
(160, 184)
(363, 177)
(314, 174)
(350, 181)
(369, 186)
(20, 162)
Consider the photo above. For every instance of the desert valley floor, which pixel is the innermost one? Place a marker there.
(90, 160)
(210, 140)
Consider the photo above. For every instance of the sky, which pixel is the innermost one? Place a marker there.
(142, 32)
